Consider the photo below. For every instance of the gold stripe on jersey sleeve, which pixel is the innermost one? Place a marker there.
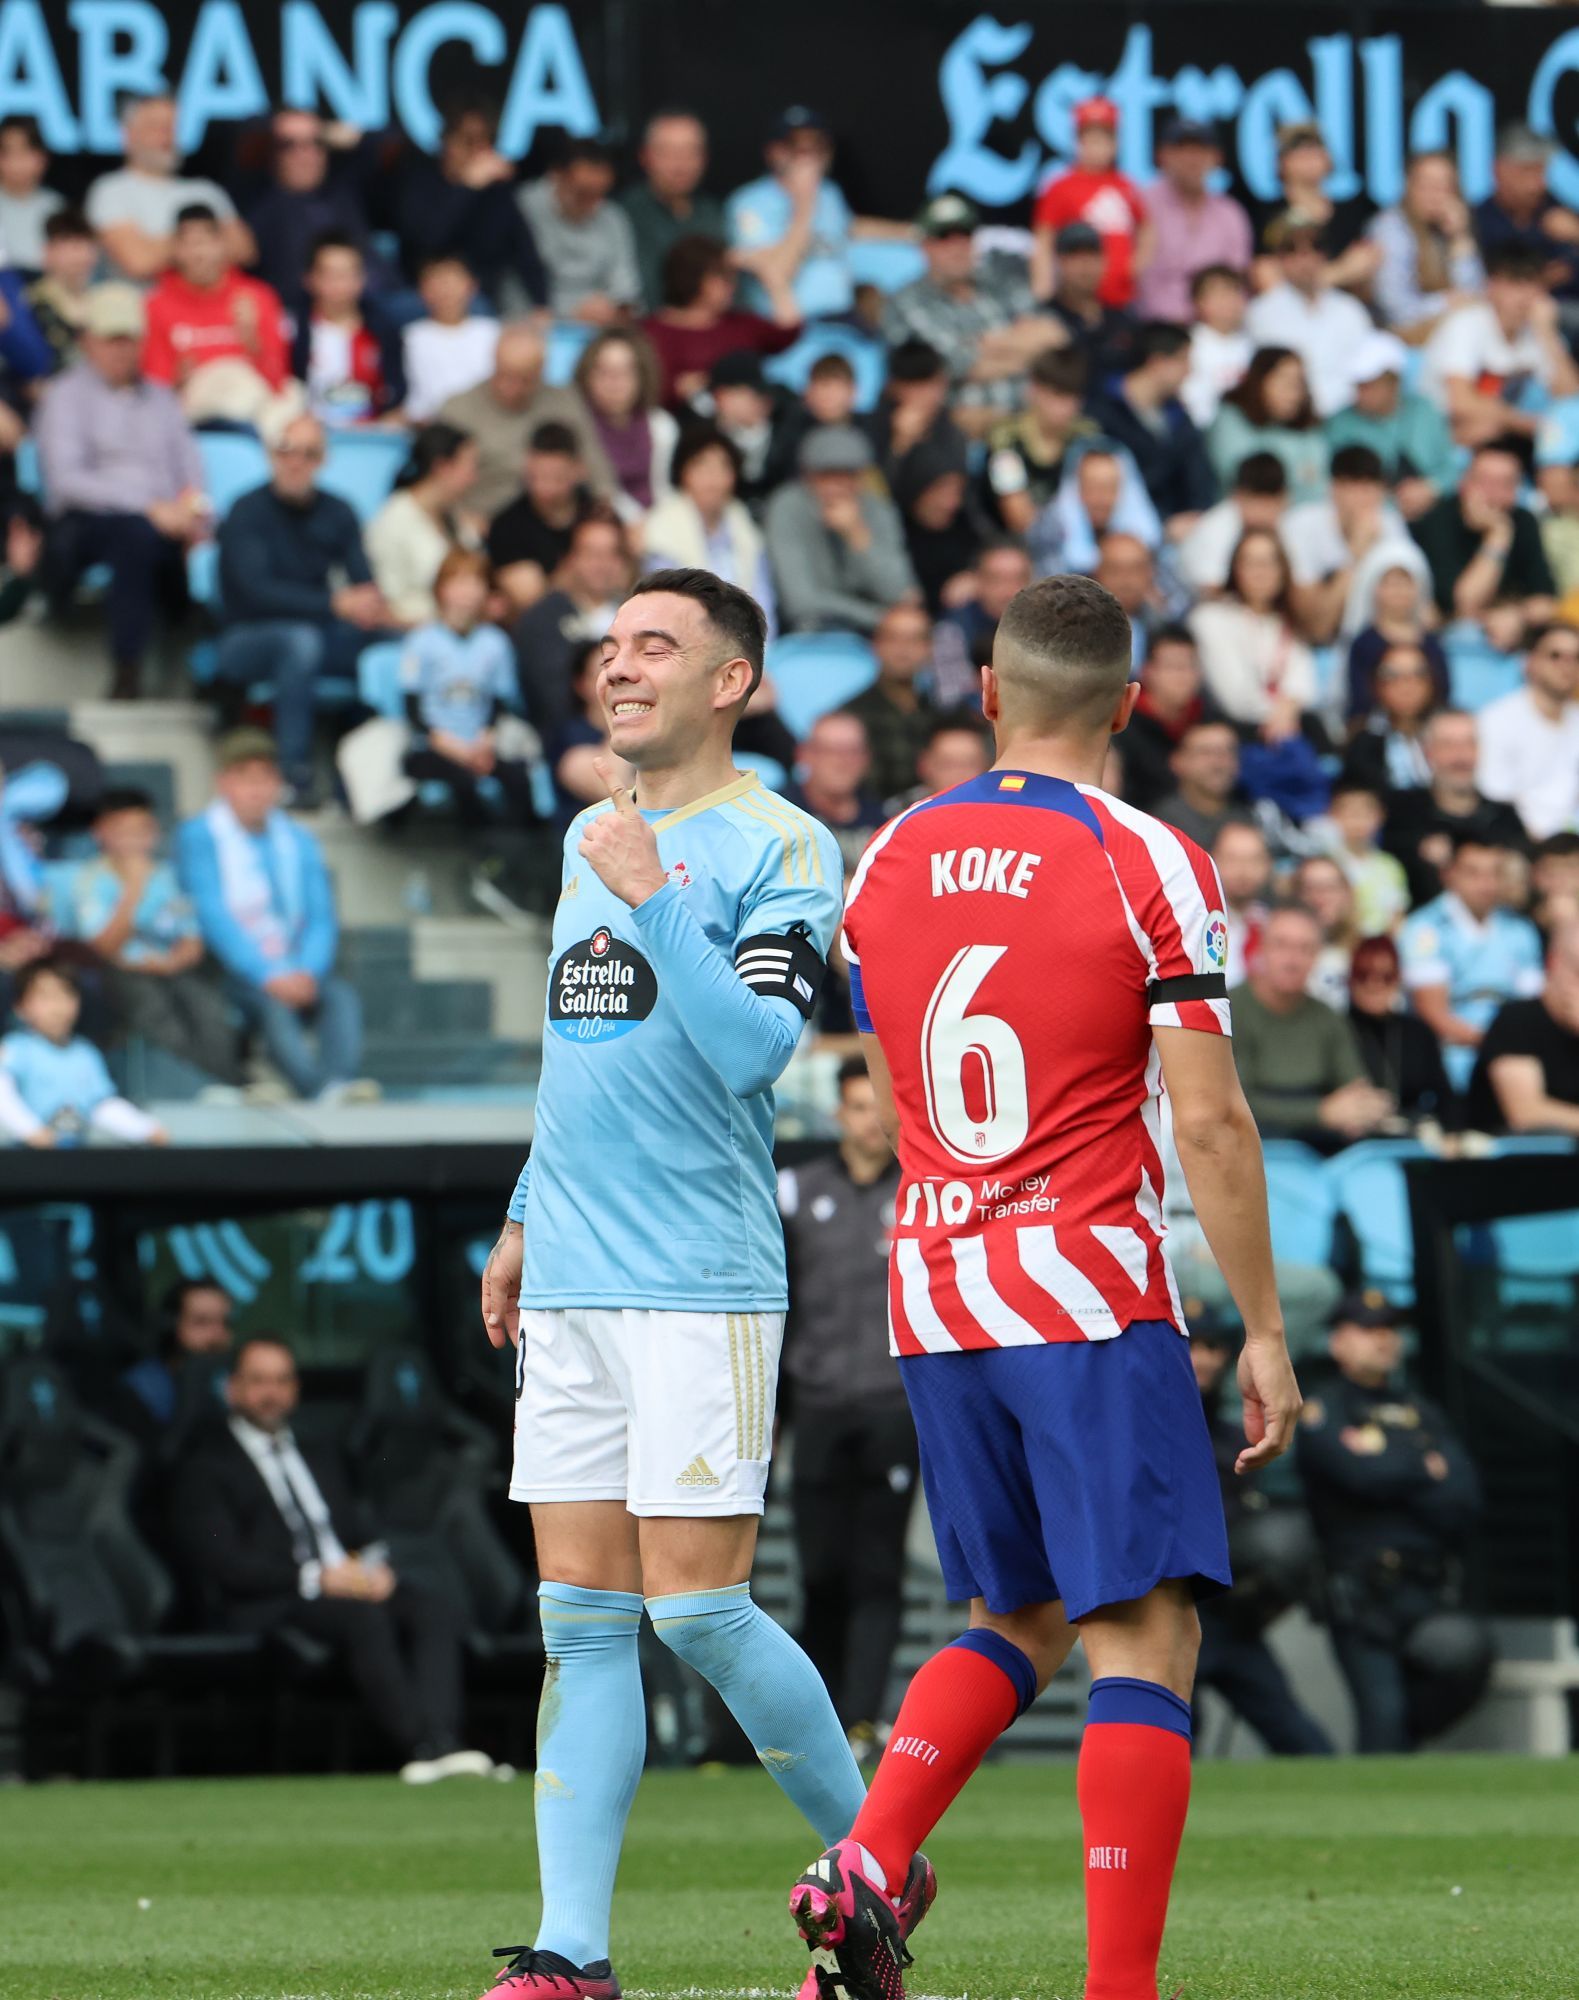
(751, 808)
(781, 809)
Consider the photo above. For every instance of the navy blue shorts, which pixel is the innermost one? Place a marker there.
(1080, 1470)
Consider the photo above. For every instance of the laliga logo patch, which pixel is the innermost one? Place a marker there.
(600, 989)
(1217, 941)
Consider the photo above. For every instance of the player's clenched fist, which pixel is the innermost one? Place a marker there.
(621, 846)
(501, 1287)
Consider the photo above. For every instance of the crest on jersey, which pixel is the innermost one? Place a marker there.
(1217, 941)
(598, 944)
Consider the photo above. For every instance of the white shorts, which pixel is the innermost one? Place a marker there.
(671, 1412)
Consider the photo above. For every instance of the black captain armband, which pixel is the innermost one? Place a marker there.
(1188, 986)
(782, 965)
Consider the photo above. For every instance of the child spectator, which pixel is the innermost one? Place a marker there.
(451, 350)
(1271, 410)
(529, 539)
(54, 1086)
(59, 298)
(457, 675)
(1025, 453)
(216, 336)
(345, 352)
(1350, 833)
(1094, 192)
(128, 906)
(25, 203)
(1394, 616)
(1220, 349)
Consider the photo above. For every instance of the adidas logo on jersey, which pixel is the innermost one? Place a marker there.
(698, 1473)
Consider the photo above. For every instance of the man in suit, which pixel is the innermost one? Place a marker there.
(274, 1528)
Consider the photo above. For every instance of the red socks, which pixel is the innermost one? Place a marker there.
(1134, 1787)
(955, 1709)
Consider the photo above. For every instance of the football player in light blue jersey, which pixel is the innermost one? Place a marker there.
(641, 1270)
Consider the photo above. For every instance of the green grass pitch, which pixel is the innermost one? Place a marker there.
(1438, 1879)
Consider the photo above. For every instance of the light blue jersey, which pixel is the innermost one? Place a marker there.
(651, 1180)
(84, 895)
(759, 215)
(1481, 965)
(62, 1084)
(458, 678)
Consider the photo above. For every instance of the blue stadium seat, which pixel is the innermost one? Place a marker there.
(1476, 671)
(868, 357)
(29, 474)
(1301, 1202)
(1538, 1246)
(378, 679)
(202, 573)
(768, 769)
(566, 338)
(361, 467)
(1368, 1186)
(888, 265)
(816, 671)
(234, 462)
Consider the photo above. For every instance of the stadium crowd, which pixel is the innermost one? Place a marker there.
(1325, 458)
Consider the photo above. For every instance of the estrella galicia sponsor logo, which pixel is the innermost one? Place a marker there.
(600, 988)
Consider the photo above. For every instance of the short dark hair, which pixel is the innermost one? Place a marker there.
(688, 263)
(1346, 788)
(554, 440)
(915, 361)
(598, 515)
(42, 968)
(69, 225)
(1064, 370)
(1555, 847)
(199, 212)
(828, 365)
(332, 239)
(432, 446)
(583, 153)
(698, 438)
(248, 1342)
(16, 121)
(1157, 339)
(1217, 274)
(733, 613)
(439, 259)
(1074, 640)
(1171, 634)
(1460, 837)
(123, 799)
(1543, 631)
(952, 721)
(1358, 461)
(853, 1070)
(1513, 260)
(1262, 473)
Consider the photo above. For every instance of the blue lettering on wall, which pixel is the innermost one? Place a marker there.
(121, 49)
(1562, 177)
(221, 79)
(974, 103)
(314, 72)
(30, 81)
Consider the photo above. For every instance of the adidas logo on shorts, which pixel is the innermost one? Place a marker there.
(699, 1473)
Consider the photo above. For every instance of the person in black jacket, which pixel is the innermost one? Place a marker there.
(298, 596)
(461, 203)
(1401, 1053)
(1142, 412)
(272, 1530)
(314, 189)
(1393, 1495)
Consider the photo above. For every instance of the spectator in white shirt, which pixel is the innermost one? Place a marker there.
(1306, 312)
(1329, 541)
(451, 350)
(1256, 667)
(1429, 260)
(1220, 349)
(1259, 499)
(1495, 362)
(1529, 740)
(134, 209)
(25, 203)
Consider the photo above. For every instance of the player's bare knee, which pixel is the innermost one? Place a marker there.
(1041, 1632)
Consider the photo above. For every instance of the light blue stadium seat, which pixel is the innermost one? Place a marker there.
(868, 357)
(202, 572)
(566, 338)
(768, 769)
(1476, 671)
(1368, 1186)
(234, 462)
(1538, 1246)
(29, 474)
(378, 679)
(816, 671)
(888, 265)
(1301, 1202)
(361, 467)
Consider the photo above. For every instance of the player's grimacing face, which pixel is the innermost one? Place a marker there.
(658, 683)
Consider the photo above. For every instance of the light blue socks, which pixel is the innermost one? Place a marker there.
(591, 1744)
(774, 1692)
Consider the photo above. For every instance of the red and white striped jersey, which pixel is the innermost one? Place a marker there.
(1012, 944)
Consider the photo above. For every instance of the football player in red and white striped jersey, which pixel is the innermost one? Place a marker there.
(1039, 973)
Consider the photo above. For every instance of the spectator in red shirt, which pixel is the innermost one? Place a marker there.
(216, 336)
(698, 324)
(1093, 191)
